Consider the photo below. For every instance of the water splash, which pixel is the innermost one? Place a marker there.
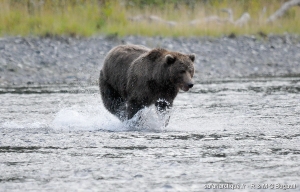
(86, 118)
(90, 118)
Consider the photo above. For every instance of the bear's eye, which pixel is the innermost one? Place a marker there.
(182, 71)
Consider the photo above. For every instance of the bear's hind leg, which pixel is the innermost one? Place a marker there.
(132, 108)
(112, 100)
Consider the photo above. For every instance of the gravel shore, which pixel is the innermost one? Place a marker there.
(37, 60)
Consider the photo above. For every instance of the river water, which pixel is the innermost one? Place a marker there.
(242, 133)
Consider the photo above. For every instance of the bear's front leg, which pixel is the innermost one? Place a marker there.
(162, 106)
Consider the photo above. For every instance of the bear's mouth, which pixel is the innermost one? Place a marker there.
(184, 88)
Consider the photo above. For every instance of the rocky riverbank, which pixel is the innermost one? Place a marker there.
(37, 60)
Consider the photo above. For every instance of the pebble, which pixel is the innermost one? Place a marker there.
(68, 60)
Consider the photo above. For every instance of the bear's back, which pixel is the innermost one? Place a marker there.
(123, 55)
(117, 62)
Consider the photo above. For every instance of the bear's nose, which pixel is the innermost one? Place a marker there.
(190, 85)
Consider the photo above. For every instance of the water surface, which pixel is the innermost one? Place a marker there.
(242, 132)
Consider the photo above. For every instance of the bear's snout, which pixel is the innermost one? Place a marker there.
(190, 85)
(186, 82)
(186, 86)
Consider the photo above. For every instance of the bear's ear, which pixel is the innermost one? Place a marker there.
(170, 59)
(192, 56)
(154, 54)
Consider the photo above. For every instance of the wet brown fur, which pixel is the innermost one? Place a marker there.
(135, 76)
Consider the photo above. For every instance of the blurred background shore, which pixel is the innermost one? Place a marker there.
(65, 41)
(83, 18)
(65, 60)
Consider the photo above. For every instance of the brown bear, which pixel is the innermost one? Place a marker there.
(134, 77)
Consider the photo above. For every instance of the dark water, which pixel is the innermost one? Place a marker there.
(237, 133)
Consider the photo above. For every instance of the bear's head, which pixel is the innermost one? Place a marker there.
(178, 68)
(181, 69)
